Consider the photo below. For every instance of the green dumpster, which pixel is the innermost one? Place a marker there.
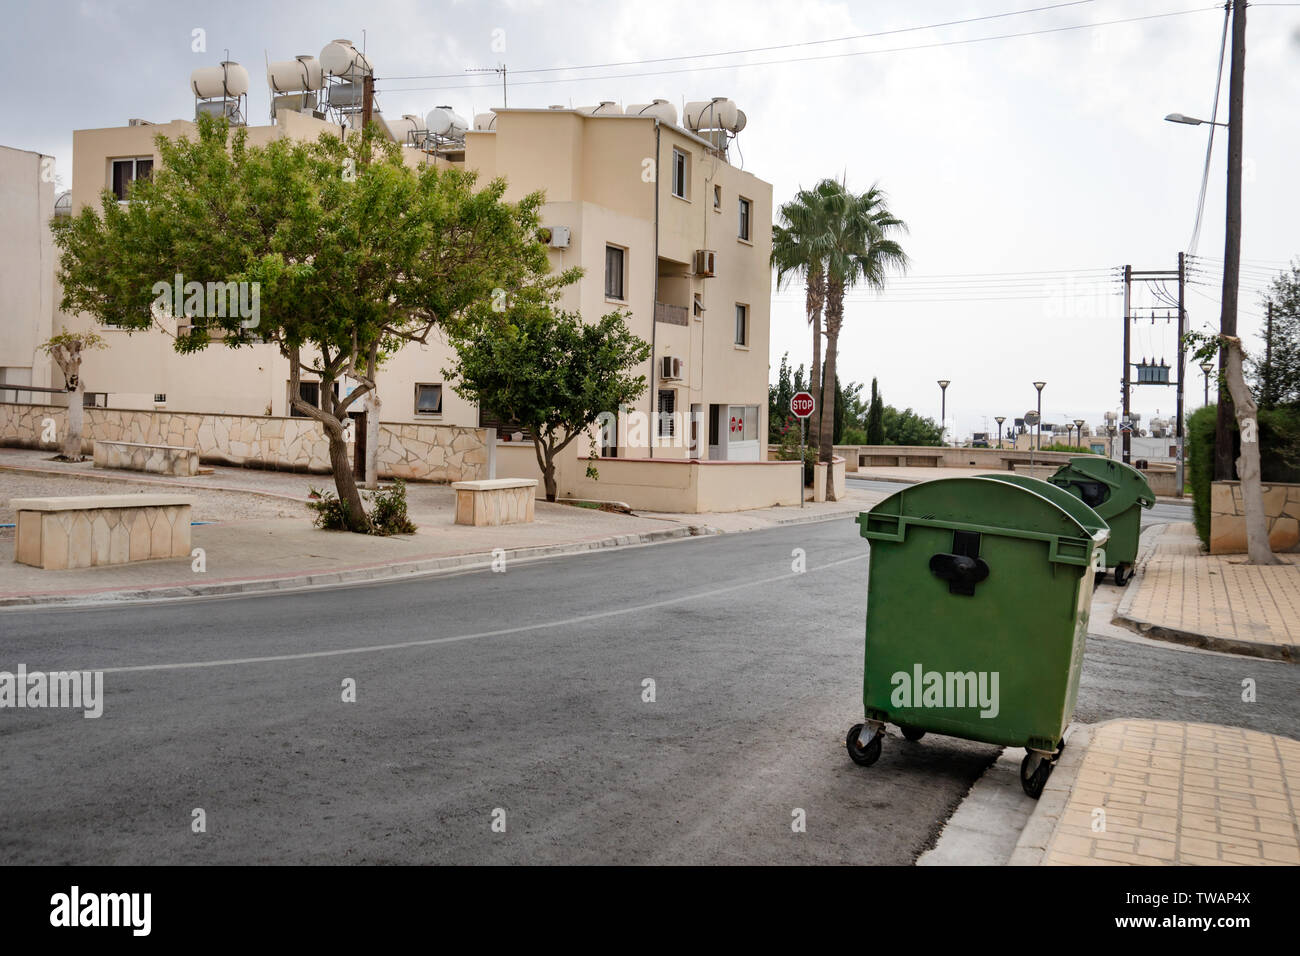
(977, 611)
(1117, 492)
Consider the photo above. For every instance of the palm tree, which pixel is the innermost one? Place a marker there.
(858, 248)
(799, 243)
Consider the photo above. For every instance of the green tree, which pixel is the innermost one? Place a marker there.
(909, 428)
(859, 248)
(778, 401)
(799, 241)
(351, 254)
(1276, 371)
(875, 421)
(547, 370)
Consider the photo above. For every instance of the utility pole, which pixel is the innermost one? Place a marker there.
(1179, 467)
(1125, 435)
(1223, 467)
(367, 100)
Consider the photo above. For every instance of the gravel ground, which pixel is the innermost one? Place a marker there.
(209, 505)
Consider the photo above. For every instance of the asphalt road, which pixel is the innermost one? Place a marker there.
(521, 692)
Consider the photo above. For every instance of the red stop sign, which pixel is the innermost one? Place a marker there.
(802, 404)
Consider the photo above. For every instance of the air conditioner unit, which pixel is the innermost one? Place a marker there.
(557, 237)
(704, 263)
(671, 368)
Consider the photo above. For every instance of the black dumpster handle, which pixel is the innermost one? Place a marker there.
(961, 573)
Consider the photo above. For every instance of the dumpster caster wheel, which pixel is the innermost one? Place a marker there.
(1098, 579)
(1034, 771)
(1123, 574)
(911, 733)
(860, 755)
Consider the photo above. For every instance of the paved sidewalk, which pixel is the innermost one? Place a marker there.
(1213, 601)
(1160, 793)
(257, 535)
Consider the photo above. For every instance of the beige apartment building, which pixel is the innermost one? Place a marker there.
(665, 227)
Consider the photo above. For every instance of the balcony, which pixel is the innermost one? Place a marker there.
(672, 314)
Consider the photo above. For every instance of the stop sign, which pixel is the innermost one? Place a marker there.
(802, 404)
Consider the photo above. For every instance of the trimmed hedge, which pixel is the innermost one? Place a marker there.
(1279, 450)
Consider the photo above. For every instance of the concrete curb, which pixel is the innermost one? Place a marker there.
(1031, 848)
(427, 567)
(1225, 645)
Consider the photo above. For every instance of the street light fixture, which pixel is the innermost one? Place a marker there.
(943, 407)
(1038, 426)
(1078, 427)
(1190, 120)
(1000, 419)
(1206, 368)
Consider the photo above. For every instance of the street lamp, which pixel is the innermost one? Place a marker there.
(1000, 419)
(943, 407)
(1078, 427)
(1190, 120)
(1206, 368)
(1038, 426)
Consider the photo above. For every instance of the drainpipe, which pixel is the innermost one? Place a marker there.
(654, 325)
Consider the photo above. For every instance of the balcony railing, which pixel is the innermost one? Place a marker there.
(671, 314)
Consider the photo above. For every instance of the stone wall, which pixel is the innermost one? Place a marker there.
(418, 451)
(1228, 521)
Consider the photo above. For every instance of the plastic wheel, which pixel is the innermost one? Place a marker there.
(1098, 579)
(1034, 782)
(860, 755)
(1123, 574)
(911, 733)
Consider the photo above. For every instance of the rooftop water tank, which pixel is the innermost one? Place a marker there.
(340, 58)
(661, 110)
(226, 81)
(298, 75)
(444, 121)
(717, 113)
(485, 121)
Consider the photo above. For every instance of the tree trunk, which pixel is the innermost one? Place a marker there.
(76, 421)
(1248, 470)
(344, 480)
(816, 298)
(373, 406)
(834, 318)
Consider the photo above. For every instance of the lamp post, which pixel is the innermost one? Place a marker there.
(1000, 419)
(1078, 428)
(1205, 369)
(1038, 426)
(943, 408)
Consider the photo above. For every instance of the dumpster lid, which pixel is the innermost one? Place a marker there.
(1008, 505)
(1114, 474)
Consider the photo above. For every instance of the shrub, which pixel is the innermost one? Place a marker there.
(387, 516)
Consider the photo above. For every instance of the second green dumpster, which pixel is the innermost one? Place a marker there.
(1117, 492)
(977, 610)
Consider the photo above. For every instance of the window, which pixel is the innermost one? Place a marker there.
(614, 257)
(742, 324)
(717, 198)
(127, 171)
(309, 392)
(742, 423)
(745, 209)
(428, 399)
(667, 412)
(160, 398)
(680, 167)
(95, 399)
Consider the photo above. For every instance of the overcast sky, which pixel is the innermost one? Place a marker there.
(1026, 166)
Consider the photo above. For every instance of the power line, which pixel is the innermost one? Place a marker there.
(1209, 146)
(761, 49)
(808, 59)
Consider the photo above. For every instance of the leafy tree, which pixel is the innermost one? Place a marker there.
(778, 401)
(875, 421)
(66, 349)
(352, 253)
(1276, 373)
(848, 408)
(547, 370)
(909, 428)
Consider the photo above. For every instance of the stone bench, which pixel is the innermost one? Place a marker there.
(87, 531)
(175, 460)
(495, 501)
